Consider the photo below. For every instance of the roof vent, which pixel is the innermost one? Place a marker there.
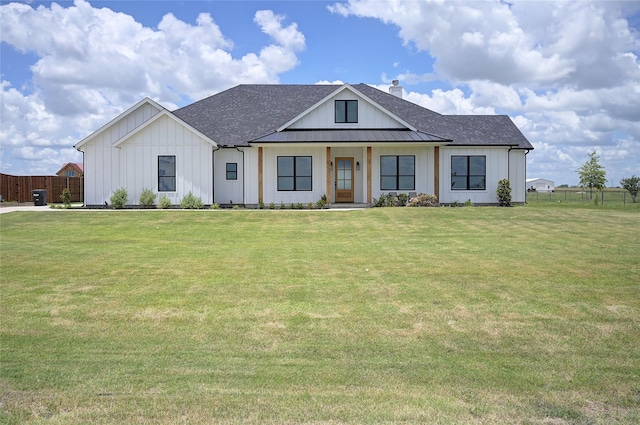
(396, 89)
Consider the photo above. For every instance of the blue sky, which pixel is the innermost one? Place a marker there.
(566, 72)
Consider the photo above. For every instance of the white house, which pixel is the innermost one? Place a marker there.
(288, 144)
(540, 185)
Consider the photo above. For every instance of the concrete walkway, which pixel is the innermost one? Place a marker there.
(7, 208)
(24, 207)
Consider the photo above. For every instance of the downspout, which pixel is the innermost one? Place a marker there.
(509, 164)
(213, 174)
(525, 175)
(84, 189)
(243, 177)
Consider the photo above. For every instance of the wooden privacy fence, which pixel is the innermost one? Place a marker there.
(18, 188)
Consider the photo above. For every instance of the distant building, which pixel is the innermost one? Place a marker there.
(71, 169)
(540, 185)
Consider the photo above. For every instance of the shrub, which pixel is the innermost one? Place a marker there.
(504, 193)
(191, 202)
(272, 206)
(66, 197)
(282, 205)
(322, 202)
(386, 200)
(119, 198)
(165, 202)
(147, 198)
(261, 205)
(423, 200)
(403, 198)
(215, 206)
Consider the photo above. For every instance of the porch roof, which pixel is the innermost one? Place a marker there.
(348, 136)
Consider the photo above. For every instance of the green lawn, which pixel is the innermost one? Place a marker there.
(525, 315)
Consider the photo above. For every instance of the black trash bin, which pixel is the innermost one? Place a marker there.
(39, 197)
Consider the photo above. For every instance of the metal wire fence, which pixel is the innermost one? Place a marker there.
(619, 197)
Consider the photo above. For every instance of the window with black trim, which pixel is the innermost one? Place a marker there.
(468, 172)
(397, 172)
(232, 171)
(166, 173)
(346, 111)
(294, 173)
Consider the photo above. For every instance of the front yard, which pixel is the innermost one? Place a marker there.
(419, 315)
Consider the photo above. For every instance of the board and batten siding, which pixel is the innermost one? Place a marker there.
(496, 170)
(323, 116)
(102, 160)
(251, 177)
(424, 165)
(133, 163)
(166, 136)
(270, 177)
(228, 191)
(517, 175)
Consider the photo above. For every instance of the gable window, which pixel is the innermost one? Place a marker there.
(294, 173)
(468, 172)
(232, 171)
(166, 173)
(346, 111)
(397, 172)
(70, 173)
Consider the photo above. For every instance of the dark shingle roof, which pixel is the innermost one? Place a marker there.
(462, 130)
(246, 113)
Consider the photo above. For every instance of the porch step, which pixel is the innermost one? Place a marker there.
(338, 206)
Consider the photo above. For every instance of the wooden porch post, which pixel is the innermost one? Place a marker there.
(328, 175)
(436, 172)
(369, 187)
(260, 172)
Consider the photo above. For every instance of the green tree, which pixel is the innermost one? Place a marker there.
(592, 174)
(632, 184)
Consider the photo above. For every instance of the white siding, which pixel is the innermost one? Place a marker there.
(228, 191)
(250, 176)
(424, 166)
(133, 163)
(496, 170)
(369, 116)
(101, 170)
(102, 160)
(517, 175)
(270, 167)
(139, 159)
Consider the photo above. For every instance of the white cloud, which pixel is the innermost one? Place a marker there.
(288, 37)
(93, 62)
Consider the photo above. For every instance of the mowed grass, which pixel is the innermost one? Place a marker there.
(433, 315)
